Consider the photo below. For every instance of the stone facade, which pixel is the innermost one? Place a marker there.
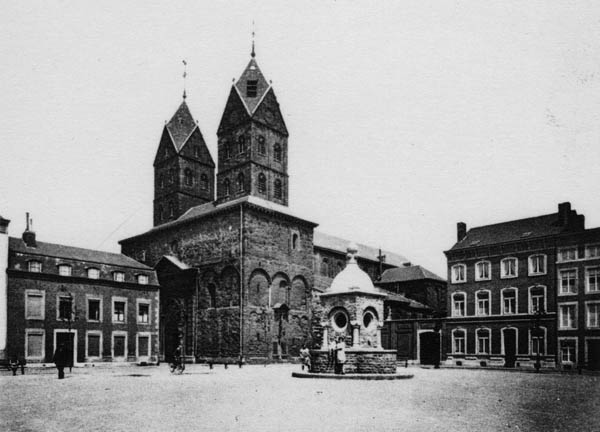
(357, 361)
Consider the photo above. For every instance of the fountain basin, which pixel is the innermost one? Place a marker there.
(358, 361)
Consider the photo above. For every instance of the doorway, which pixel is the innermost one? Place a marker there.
(429, 348)
(510, 347)
(67, 339)
(593, 354)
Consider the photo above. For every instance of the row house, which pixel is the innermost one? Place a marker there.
(103, 307)
(502, 292)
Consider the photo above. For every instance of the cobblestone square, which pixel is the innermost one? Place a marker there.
(269, 399)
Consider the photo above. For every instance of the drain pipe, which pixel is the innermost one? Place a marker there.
(241, 283)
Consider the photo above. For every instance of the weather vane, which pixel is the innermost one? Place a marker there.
(253, 54)
(184, 76)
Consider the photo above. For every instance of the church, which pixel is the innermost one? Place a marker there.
(239, 271)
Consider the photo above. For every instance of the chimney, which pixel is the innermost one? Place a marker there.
(29, 234)
(581, 222)
(3, 287)
(564, 210)
(461, 231)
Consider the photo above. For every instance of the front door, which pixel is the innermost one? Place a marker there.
(510, 347)
(593, 352)
(67, 340)
(429, 348)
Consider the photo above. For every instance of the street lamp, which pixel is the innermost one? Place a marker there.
(538, 333)
(68, 315)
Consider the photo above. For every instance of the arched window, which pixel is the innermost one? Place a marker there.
(483, 340)
(171, 209)
(483, 271)
(459, 338)
(277, 152)
(459, 304)
(240, 182)
(241, 144)
(262, 183)
(537, 341)
(509, 301)
(261, 145)
(161, 212)
(537, 299)
(294, 241)
(227, 148)
(277, 189)
(172, 176)
(483, 302)
(204, 182)
(188, 177)
(458, 273)
(226, 187)
(161, 181)
(325, 267)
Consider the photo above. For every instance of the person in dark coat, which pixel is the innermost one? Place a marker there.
(61, 360)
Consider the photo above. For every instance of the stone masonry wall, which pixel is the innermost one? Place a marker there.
(357, 361)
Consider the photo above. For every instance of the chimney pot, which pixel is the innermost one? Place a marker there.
(564, 210)
(28, 234)
(461, 231)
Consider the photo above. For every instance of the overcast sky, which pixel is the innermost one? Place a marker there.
(404, 117)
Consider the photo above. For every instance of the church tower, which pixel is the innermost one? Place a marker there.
(183, 168)
(252, 141)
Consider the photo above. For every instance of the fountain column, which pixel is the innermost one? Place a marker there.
(355, 334)
(325, 341)
(379, 327)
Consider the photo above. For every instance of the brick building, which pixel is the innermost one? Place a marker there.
(516, 293)
(102, 306)
(239, 271)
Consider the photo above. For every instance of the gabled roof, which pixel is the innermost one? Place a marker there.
(522, 229)
(75, 253)
(399, 298)
(252, 73)
(338, 244)
(181, 126)
(406, 274)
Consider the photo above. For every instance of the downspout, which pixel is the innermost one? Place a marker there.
(241, 356)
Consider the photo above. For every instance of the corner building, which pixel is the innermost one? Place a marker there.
(236, 267)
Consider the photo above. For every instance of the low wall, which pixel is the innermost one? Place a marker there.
(371, 361)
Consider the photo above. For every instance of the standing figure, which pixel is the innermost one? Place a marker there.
(61, 360)
(331, 360)
(305, 358)
(340, 349)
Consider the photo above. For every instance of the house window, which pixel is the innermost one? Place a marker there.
(537, 299)
(119, 276)
(458, 337)
(188, 177)
(34, 344)
(592, 311)
(241, 144)
(459, 304)
(277, 189)
(251, 88)
(262, 149)
(567, 316)
(226, 187)
(93, 273)
(35, 266)
(537, 265)
(538, 341)
(119, 347)
(143, 313)
(567, 254)
(34, 305)
(262, 183)
(94, 309)
(119, 311)
(567, 281)
(459, 273)
(509, 301)
(65, 270)
(568, 351)
(592, 279)
(94, 344)
(592, 251)
(483, 270)
(240, 182)
(65, 307)
(483, 341)
(508, 268)
(204, 182)
(142, 279)
(483, 303)
(277, 153)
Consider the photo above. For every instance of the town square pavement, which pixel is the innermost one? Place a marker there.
(267, 398)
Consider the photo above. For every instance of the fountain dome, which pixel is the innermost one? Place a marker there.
(352, 278)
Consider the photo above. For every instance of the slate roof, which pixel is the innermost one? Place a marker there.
(252, 72)
(181, 126)
(326, 241)
(522, 229)
(405, 274)
(75, 253)
(402, 299)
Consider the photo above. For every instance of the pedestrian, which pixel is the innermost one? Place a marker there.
(305, 358)
(14, 365)
(340, 349)
(61, 360)
(331, 361)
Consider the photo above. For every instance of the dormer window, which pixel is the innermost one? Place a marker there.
(65, 270)
(93, 273)
(119, 276)
(142, 279)
(35, 266)
(251, 88)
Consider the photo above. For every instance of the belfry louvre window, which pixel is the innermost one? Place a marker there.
(226, 187)
(188, 177)
(277, 152)
(278, 189)
(204, 182)
(251, 88)
(240, 182)
(262, 183)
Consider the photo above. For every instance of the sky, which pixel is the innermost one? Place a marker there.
(404, 117)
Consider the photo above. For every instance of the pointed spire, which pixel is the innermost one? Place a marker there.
(253, 54)
(184, 76)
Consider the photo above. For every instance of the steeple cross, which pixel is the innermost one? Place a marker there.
(184, 76)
